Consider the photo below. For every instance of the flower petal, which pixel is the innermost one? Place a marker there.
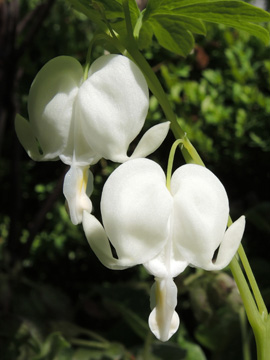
(163, 320)
(50, 104)
(229, 245)
(201, 213)
(113, 103)
(159, 267)
(136, 208)
(99, 243)
(76, 182)
(151, 140)
(168, 263)
(27, 138)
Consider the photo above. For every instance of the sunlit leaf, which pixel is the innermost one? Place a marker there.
(172, 35)
(237, 14)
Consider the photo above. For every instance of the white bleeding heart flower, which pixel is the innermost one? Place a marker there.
(165, 230)
(79, 122)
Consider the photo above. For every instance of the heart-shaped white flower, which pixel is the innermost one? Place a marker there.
(164, 230)
(80, 121)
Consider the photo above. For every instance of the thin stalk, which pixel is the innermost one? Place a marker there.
(87, 343)
(246, 295)
(146, 355)
(253, 283)
(263, 341)
(244, 333)
(170, 162)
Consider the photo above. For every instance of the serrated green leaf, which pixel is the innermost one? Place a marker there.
(172, 36)
(83, 6)
(163, 6)
(145, 36)
(133, 8)
(188, 23)
(233, 9)
(112, 8)
(237, 14)
(234, 13)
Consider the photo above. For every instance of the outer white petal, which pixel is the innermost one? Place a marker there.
(51, 101)
(229, 245)
(27, 138)
(99, 243)
(76, 181)
(163, 320)
(151, 140)
(201, 213)
(113, 104)
(136, 208)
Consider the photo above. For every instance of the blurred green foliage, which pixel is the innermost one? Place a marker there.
(56, 300)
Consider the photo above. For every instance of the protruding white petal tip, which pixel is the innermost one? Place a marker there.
(229, 245)
(74, 189)
(99, 243)
(161, 331)
(151, 140)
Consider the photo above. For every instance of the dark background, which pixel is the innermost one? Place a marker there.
(56, 300)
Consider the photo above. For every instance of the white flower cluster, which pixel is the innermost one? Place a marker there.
(163, 229)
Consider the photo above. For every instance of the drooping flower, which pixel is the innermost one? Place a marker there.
(79, 122)
(165, 230)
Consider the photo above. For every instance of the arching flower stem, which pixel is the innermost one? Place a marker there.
(260, 323)
(170, 162)
(253, 283)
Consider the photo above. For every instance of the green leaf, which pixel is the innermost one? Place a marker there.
(193, 25)
(193, 350)
(52, 347)
(145, 36)
(112, 8)
(234, 13)
(84, 7)
(237, 14)
(164, 6)
(172, 35)
(233, 9)
(99, 10)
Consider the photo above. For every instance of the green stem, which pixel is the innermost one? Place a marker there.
(147, 346)
(263, 341)
(170, 162)
(260, 323)
(248, 300)
(244, 333)
(91, 344)
(252, 281)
